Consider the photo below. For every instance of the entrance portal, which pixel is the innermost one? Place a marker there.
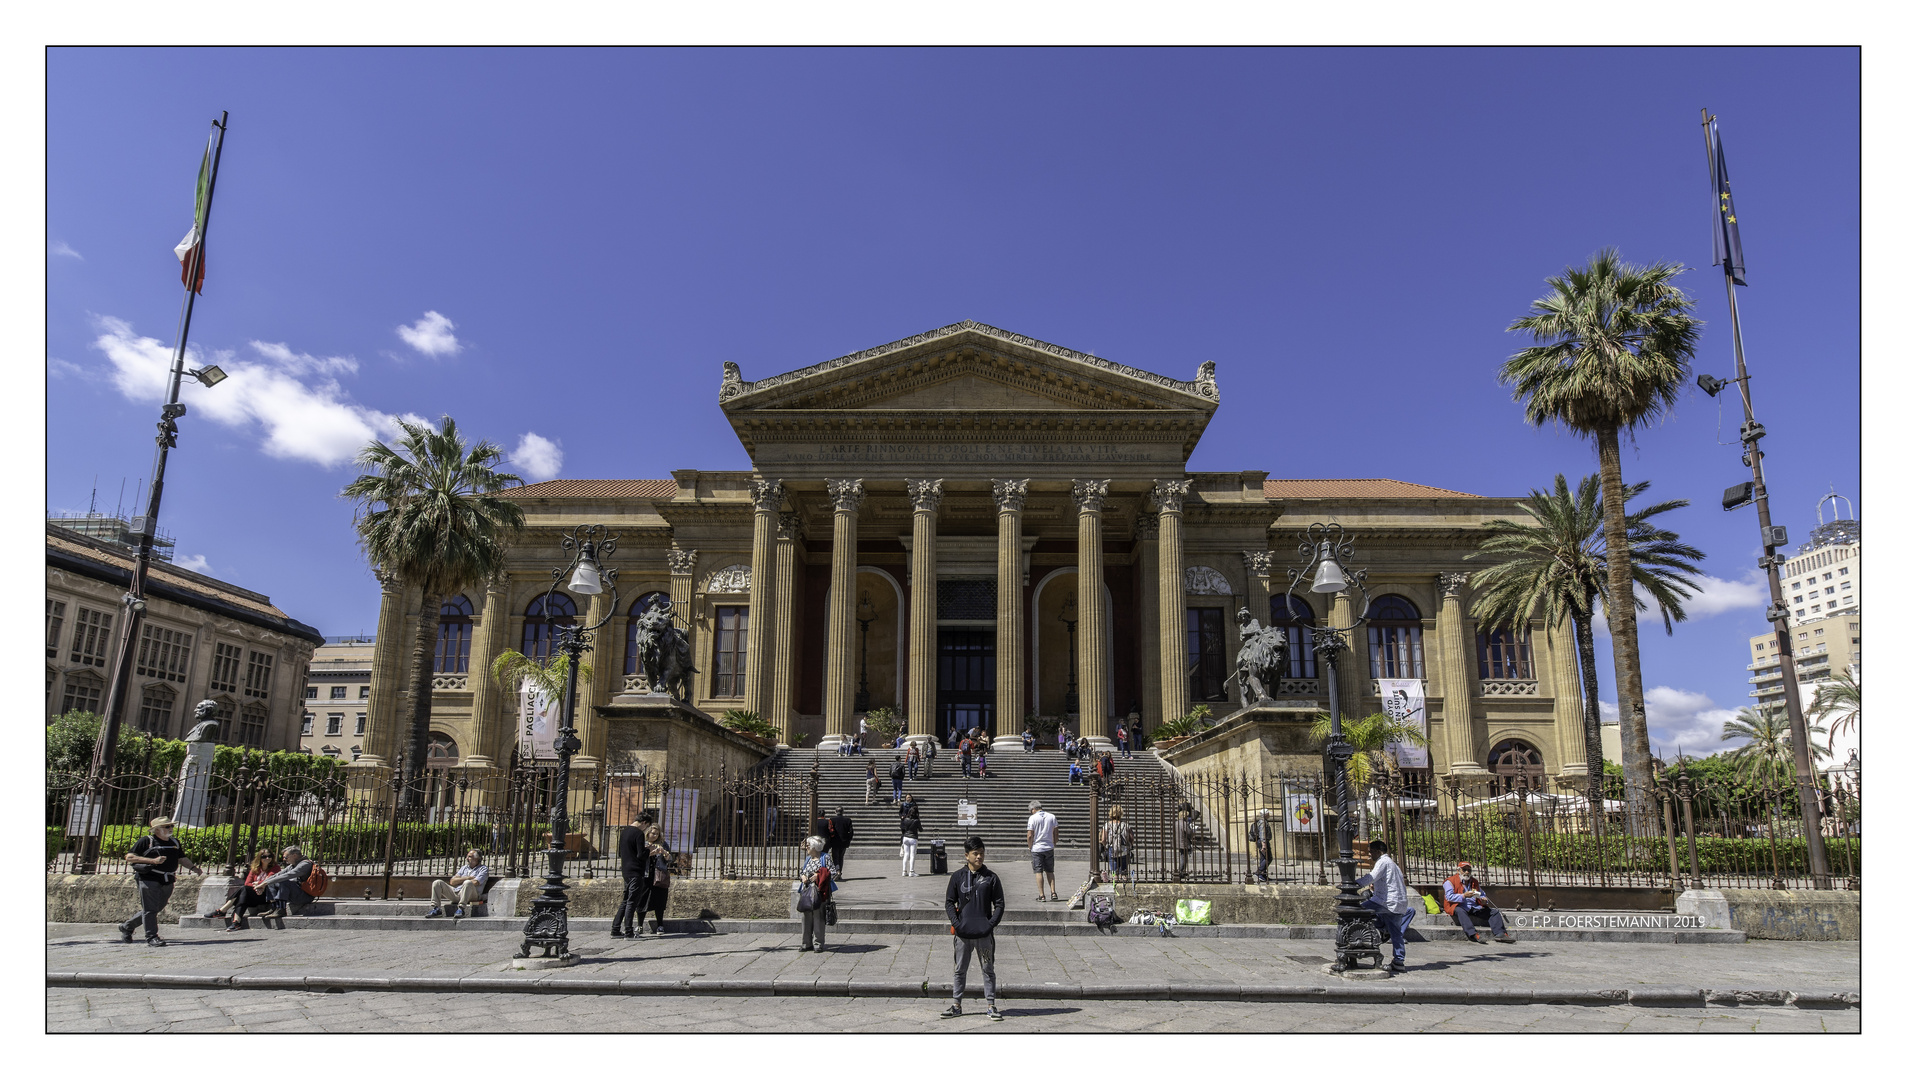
(965, 698)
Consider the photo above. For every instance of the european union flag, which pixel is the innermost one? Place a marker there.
(1727, 233)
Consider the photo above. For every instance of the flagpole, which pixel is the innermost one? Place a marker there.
(133, 604)
(1751, 435)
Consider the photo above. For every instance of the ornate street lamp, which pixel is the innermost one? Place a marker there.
(1072, 654)
(548, 927)
(1324, 547)
(865, 616)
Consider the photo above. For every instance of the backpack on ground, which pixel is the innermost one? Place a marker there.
(1100, 912)
(317, 881)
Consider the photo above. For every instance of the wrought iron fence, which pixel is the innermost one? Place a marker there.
(371, 823)
(1525, 831)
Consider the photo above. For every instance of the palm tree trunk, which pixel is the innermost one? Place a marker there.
(422, 650)
(1592, 706)
(1620, 608)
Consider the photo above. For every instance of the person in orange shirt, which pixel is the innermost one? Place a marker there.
(1463, 897)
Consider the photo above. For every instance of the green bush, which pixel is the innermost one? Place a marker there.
(349, 842)
(1191, 723)
(1503, 847)
(55, 840)
(749, 723)
(886, 723)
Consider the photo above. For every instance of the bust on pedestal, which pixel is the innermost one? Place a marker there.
(195, 774)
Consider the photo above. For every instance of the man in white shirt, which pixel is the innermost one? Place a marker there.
(1040, 829)
(463, 890)
(1390, 901)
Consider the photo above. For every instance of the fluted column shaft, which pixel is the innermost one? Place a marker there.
(489, 748)
(846, 495)
(381, 737)
(593, 690)
(1566, 688)
(781, 708)
(758, 680)
(923, 613)
(1169, 495)
(1009, 635)
(1145, 534)
(1460, 739)
(1354, 667)
(1090, 497)
(1258, 567)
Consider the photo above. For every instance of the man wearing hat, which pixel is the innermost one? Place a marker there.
(155, 860)
(1463, 897)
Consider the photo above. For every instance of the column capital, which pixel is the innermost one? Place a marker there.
(1452, 584)
(1009, 495)
(386, 580)
(766, 494)
(1090, 495)
(925, 495)
(682, 563)
(846, 496)
(1259, 563)
(1145, 526)
(1170, 495)
(789, 526)
(499, 582)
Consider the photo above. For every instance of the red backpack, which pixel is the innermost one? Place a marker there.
(318, 881)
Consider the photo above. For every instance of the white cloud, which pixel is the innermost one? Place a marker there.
(431, 335)
(536, 457)
(1719, 595)
(195, 563)
(1687, 720)
(63, 249)
(57, 368)
(303, 421)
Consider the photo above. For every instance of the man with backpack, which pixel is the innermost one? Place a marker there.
(840, 835)
(897, 772)
(465, 888)
(975, 904)
(1260, 834)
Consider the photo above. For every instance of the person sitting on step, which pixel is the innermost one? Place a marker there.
(464, 889)
(1463, 897)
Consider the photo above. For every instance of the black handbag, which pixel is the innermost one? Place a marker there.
(809, 896)
(830, 912)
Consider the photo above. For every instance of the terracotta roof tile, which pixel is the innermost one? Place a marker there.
(595, 489)
(1358, 489)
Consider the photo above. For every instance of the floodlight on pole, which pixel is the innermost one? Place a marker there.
(212, 375)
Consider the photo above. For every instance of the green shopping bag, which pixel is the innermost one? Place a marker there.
(1193, 912)
(1431, 907)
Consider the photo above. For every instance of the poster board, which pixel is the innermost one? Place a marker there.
(678, 819)
(966, 813)
(538, 717)
(1304, 810)
(1403, 699)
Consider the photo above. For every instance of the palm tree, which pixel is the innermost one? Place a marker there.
(1371, 738)
(1612, 345)
(1838, 700)
(428, 512)
(1556, 568)
(1766, 757)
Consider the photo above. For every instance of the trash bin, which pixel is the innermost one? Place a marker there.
(937, 858)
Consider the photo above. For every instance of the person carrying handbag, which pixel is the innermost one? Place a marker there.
(814, 891)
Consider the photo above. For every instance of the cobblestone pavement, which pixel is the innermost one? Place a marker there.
(125, 1010)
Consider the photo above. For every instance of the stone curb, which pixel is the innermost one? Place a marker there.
(1388, 993)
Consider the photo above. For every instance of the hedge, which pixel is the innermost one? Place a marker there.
(345, 842)
(1625, 854)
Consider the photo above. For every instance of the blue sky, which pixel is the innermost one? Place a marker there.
(560, 248)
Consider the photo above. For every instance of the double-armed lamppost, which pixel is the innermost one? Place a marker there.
(1072, 654)
(548, 927)
(1325, 547)
(865, 616)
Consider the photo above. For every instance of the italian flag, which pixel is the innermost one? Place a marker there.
(191, 250)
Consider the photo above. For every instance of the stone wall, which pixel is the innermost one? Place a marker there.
(688, 899)
(1794, 915)
(671, 737)
(1258, 743)
(112, 898)
(1292, 905)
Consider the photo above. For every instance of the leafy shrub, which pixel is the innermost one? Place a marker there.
(749, 723)
(1503, 847)
(1191, 723)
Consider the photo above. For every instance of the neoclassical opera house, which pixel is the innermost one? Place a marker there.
(971, 526)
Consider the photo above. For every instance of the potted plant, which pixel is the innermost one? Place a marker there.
(750, 724)
(1172, 731)
(886, 723)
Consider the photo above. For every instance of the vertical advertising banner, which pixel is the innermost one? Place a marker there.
(1404, 701)
(1303, 812)
(679, 806)
(538, 719)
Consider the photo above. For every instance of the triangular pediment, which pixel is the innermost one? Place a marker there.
(968, 367)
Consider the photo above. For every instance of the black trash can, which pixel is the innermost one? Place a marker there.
(937, 858)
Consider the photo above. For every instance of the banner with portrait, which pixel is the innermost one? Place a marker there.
(538, 717)
(1403, 700)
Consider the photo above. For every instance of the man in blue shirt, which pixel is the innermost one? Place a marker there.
(1463, 898)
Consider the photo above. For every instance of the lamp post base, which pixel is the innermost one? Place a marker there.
(548, 926)
(1358, 937)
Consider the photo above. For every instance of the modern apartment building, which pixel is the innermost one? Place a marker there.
(1822, 586)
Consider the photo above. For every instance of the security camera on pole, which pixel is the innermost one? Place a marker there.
(191, 253)
(1728, 256)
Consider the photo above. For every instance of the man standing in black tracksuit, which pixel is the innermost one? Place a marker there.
(840, 835)
(975, 904)
(636, 875)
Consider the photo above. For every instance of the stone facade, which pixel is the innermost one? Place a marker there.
(974, 521)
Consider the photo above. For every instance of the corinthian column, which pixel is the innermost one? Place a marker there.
(1145, 533)
(1460, 740)
(923, 614)
(846, 495)
(1090, 497)
(1173, 658)
(681, 598)
(594, 690)
(381, 736)
(1566, 687)
(486, 697)
(781, 707)
(1009, 624)
(1258, 567)
(757, 681)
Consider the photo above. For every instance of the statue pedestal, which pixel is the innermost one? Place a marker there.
(195, 782)
(665, 735)
(1269, 738)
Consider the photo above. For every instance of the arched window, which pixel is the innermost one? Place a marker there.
(1396, 635)
(539, 625)
(631, 664)
(1508, 745)
(440, 752)
(1301, 662)
(1503, 654)
(155, 710)
(453, 636)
